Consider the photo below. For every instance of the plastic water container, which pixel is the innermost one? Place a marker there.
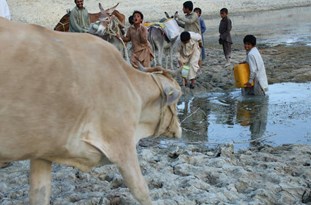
(171, 28)
(241, 74)
(185, 71)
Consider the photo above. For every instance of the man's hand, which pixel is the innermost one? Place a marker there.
(176, 15)
(248, 85)
(200, 44)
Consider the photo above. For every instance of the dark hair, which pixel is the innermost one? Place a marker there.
(185, 36)
(197, 9)
(224, 10)
(188, 4)
(250, 39)
(131, 19)
(140, 13)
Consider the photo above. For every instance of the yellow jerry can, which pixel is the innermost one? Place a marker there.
(241, 74)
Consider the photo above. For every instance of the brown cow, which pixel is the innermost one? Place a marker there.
(77, 104)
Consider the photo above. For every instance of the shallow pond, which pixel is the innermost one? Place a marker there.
(282, 117)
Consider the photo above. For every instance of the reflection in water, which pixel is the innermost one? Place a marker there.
(283, 117)
(193, 113)
(217, 117)
(253, 112)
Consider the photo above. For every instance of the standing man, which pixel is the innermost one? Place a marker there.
(190, 22)
(4, 9)
(258, 75)
(138, 35)
(198, 11)
(79, 20)
(225, 40)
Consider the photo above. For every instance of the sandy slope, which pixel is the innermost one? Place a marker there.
(48, 13)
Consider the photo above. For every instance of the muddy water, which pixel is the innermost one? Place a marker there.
(282, 117)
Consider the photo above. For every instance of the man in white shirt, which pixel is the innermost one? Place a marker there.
(257, 69)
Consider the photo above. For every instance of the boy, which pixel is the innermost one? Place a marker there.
(138, 35)
(190, 22)
(189, 54)
(198, 11)
(225, 27)
(257, 69)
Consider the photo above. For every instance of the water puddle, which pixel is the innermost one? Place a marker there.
(282, 117)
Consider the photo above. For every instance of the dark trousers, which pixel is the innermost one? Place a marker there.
(226, 46)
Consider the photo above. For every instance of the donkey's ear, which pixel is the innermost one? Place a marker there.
(110, 10)
(101, 7)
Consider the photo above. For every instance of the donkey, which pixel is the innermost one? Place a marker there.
(160, 43)
(109, 27)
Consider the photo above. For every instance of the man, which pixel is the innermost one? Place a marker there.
(190, 22)
(225, 39)
(138, 35)
(258, 76)
(79, 20)
(189, 54)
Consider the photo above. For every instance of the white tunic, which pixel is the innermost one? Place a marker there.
(4, 9)
(189, 53)
(257, 69)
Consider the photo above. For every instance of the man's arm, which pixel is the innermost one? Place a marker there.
(252, 68)
(203, 26)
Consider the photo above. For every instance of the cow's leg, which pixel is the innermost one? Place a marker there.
(40, 182)
(130, 170)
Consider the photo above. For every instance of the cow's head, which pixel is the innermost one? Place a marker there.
(168, 124)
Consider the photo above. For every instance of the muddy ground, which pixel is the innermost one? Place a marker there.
(194, 174)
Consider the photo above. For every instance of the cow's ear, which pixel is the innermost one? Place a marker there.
(172, 94)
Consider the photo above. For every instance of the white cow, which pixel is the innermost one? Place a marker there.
(71, 98)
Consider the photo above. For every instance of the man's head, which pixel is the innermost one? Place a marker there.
(187, 7)
(185, 37)
(249, 42)
(131, 19)
(198, 11)
(79, 3)
(223, 12)
(138, 17)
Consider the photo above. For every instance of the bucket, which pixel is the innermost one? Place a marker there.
(185, 71)
(241, 74)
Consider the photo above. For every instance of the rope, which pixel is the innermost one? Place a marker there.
(63, 25)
